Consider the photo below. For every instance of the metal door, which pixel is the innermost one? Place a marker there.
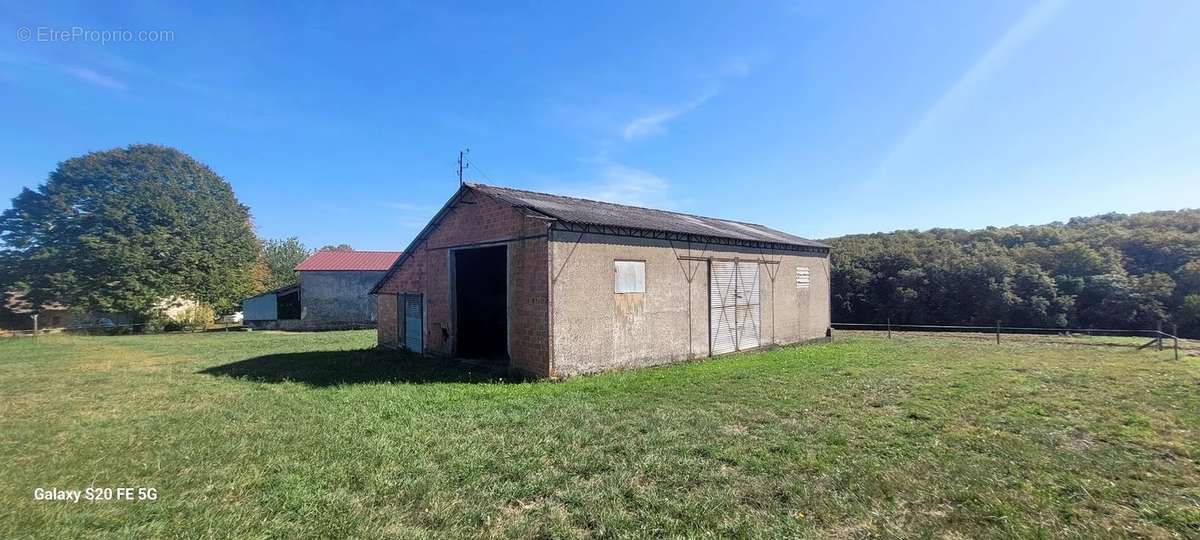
(734, 306)
(413, 323)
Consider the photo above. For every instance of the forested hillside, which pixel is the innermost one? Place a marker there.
(1108, 271)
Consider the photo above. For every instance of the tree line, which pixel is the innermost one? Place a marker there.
(1108, 271)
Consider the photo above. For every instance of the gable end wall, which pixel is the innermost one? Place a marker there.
(477, 219)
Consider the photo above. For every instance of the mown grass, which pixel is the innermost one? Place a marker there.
(300, 435)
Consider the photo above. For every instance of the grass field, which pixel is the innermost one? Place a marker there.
(296, 435)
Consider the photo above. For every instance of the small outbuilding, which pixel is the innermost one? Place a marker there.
(275, 309)
(333, 292)
(556, 286)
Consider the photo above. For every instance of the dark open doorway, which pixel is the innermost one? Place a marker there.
(481, 303)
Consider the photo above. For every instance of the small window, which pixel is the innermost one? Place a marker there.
(630, 276)
(803, 279)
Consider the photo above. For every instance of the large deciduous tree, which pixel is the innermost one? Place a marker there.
(122, 229)
(281, 258)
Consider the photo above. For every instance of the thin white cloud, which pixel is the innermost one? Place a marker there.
(415, 224)
(403, 206)
(651, 124)
(622, 184)
(33, 64)
(736, 67)
(407, 215)
(629, 185)
(954, 99)
(655, 122)
(98, 79)
(619, 183)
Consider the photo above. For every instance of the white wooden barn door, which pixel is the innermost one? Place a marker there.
(734, 306)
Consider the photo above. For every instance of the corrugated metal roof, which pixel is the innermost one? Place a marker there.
(587, 212)
(584, 211)
(331, 261)
(286, 289)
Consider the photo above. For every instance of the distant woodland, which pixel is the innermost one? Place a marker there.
(1108, 271)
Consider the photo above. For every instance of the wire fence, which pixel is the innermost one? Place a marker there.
(1158, 339)
(106, 329)
(96, 329)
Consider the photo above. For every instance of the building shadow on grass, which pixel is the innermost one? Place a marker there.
(362, 366)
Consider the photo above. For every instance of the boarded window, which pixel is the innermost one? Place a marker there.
(803, 280)
(630, 276)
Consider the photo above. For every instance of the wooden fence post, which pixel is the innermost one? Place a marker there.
(1175, 338)
(889, 328)
(1160, 334)
(997, 331)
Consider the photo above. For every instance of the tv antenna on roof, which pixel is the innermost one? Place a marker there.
(463, 164)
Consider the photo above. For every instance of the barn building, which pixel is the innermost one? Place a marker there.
(333, 292)
(555, 286)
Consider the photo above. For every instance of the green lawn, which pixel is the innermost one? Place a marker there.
(293, 435)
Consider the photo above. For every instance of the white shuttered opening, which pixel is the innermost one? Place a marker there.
(749, 315)
(734, 306)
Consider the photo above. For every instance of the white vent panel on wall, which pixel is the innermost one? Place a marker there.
(803, 277)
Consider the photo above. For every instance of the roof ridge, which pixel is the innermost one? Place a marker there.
(581, 210)
(357, 251)
(477, 184)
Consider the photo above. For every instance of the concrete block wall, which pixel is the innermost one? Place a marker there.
(596, 329)
(338, 298)
(798, 315)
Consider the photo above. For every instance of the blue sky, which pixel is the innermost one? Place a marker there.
(342, 123)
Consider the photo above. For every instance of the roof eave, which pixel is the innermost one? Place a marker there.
(274, 291)
(576, 226)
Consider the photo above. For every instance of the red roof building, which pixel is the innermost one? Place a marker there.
(349, 261)
(333, 292)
